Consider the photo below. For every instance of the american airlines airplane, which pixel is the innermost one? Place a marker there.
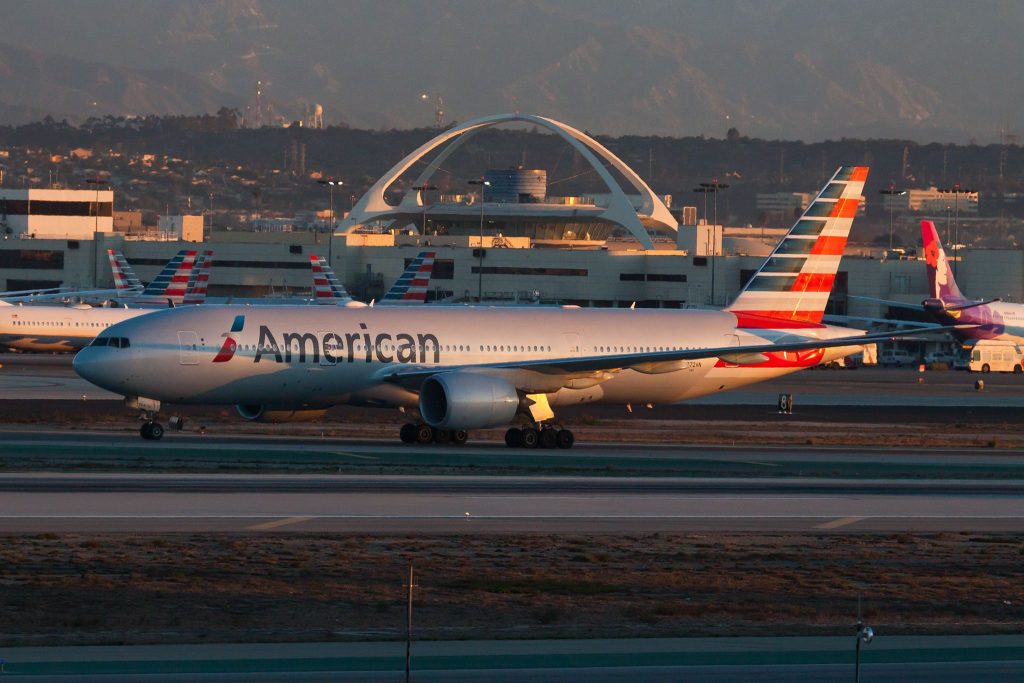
(65, 329)
(462, 368)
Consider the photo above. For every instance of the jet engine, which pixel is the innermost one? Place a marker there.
(464, 400)
(259, 413)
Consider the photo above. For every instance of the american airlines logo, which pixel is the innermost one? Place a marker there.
(347, 347)
(228, 348)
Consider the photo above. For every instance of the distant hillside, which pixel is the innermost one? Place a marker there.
(35, 84)
(792, 69)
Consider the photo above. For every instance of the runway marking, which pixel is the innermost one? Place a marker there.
(842, 521)
(354, 455)
(277, 523)
(765, 464)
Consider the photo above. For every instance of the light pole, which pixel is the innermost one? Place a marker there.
(480, 253)
(96, 182)
(713, 187)
(331, 183)
(891, 192)
(956, 191)
(423, 200)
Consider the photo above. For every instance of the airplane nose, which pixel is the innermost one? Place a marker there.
(95, 365)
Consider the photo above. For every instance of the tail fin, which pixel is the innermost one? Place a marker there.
(411, 286)
(795, 282)
(326, 287)
(941, 284)
(200, 280)
(171, 283)
(126, 282)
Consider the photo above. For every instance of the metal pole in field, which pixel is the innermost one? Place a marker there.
(408, 629)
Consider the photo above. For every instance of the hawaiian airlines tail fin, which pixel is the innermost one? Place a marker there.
(793, 285)
(941, 284)
(200, 279)
(170, 285)
(327, 289)
(411, 286)
(126, 282)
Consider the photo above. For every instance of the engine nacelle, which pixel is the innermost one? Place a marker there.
(258, 413)
(464, 400)
(934, 305)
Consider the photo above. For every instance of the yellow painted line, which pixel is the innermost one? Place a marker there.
(842, 521)
(355, 455)
(277, 523)
(763, 464)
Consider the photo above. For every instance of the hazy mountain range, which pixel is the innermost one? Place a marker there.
(795, 69)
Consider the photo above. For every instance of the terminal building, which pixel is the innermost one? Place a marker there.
(504, 238)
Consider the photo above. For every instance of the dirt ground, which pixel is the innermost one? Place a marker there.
(74, 589)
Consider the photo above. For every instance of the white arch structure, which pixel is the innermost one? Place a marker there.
(620, 209)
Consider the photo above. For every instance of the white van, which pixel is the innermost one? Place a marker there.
(996, 356)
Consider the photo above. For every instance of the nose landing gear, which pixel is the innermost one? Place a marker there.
(151, 430)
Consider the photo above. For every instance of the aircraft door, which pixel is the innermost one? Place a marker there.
(188, 348)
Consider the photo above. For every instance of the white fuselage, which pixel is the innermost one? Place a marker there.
(57, 328)
(293, 357)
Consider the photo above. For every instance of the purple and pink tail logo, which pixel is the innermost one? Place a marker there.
(940, 277)
(228, 348)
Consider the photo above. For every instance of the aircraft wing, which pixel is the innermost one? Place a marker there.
(887, 302)
(653, 362)
(849, 319)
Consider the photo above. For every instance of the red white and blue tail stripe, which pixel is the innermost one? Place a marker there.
(172, 282)
(793, 285)
(411, 286)
(199, 282)
(126, 282)
(327, 289)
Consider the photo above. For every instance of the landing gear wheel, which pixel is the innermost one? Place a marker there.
(408, 433)
(424, 434)
(514, 437)
(442, 436)
(530, 437)
(153, 431)
(548, 438)
(1017, 369)
(565, 438)
(985, 368)
(460, 436)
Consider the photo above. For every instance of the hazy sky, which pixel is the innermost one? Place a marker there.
(804, 69)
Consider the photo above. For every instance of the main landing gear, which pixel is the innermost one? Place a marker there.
(151, 430)
(423, 434)
(546, 437)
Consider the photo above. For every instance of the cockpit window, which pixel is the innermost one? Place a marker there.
(116, 342)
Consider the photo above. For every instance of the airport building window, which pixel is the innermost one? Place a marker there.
(512, 270)
(32, 258)
(24, 207)
(261, 265)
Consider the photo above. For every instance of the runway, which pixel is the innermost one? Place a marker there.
(485, 505)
